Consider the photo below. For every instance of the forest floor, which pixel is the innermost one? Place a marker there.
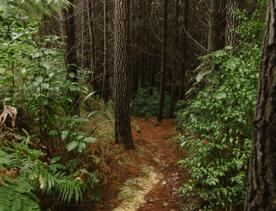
(152, 181)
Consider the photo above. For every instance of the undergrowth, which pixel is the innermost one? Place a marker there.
(45, 162)
(217, 122)
(146, 102)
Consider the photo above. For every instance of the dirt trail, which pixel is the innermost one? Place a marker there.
(164, 195)
(152, 180)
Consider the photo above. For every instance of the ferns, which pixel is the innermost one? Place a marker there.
(68, 187)
(35, 8)
(17, 195)
(34, 176)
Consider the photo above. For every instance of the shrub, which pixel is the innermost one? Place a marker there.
(37, 168)
(146, 103)
(27, 173)
(217, 122)
(218, 125)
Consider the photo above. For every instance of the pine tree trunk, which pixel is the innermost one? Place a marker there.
(105, 70)
(216, 25)
(182, 86)
(70, 57)
(173, 94)
(93, 77)
(231, 36)
(262, 170)
(163, 64)
(134, 70)
(122, 91)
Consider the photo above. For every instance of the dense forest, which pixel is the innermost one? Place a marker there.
(138, 105)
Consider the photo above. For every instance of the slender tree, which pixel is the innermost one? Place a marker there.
(70, 57)
(122, 91)
(163, 63)
(134, 72)
(93, 78)
(185, 39)
(216, 25)
(105, 66)
(231, 36)
(175, 63)
(262, 173)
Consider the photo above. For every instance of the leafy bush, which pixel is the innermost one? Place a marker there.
(26, 174)
(146, 103)
(33, 81)
(217, 124)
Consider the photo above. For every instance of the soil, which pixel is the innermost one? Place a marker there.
(157, 187)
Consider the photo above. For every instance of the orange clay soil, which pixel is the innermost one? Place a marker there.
(154, 150)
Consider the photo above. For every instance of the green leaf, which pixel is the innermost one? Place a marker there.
(89, 140)
(81, 147)
(53, 133)
(55, 159)
(201, 76)
(220, 95)
(73, 145)
(64, 134)
(45, 86)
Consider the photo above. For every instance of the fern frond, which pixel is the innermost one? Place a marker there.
(68, 187)
(35, 7)
(17, 196)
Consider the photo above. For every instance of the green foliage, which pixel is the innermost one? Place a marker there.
(33, 176)
(146, 103)
(34, 8)
(218, 124)
(33, 80)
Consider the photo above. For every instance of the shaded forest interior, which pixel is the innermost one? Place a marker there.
(137, 105)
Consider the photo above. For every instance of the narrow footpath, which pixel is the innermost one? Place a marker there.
(152, 180)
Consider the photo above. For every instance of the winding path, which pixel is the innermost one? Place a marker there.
(160, 189)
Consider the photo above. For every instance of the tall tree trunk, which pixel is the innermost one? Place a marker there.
(122, 90)
(105, 70)
(86, 37)
(262, 171)
(83, 37)
(182, 86)
(231, 36)
(93, 76)
(163, 64)
(70, 57)
(216, 25)
(173, 94)
(134, 71)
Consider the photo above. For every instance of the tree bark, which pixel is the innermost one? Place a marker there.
(105, 66)
(173, 94)
(231, 36)
(93, 77)
(70, 57)
(182, 86)
(134, 70)
(122, 91)
(216, 25)
(163, 64)
(262, 171)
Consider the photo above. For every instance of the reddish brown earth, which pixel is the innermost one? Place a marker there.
(164, 196)
(154, 149)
